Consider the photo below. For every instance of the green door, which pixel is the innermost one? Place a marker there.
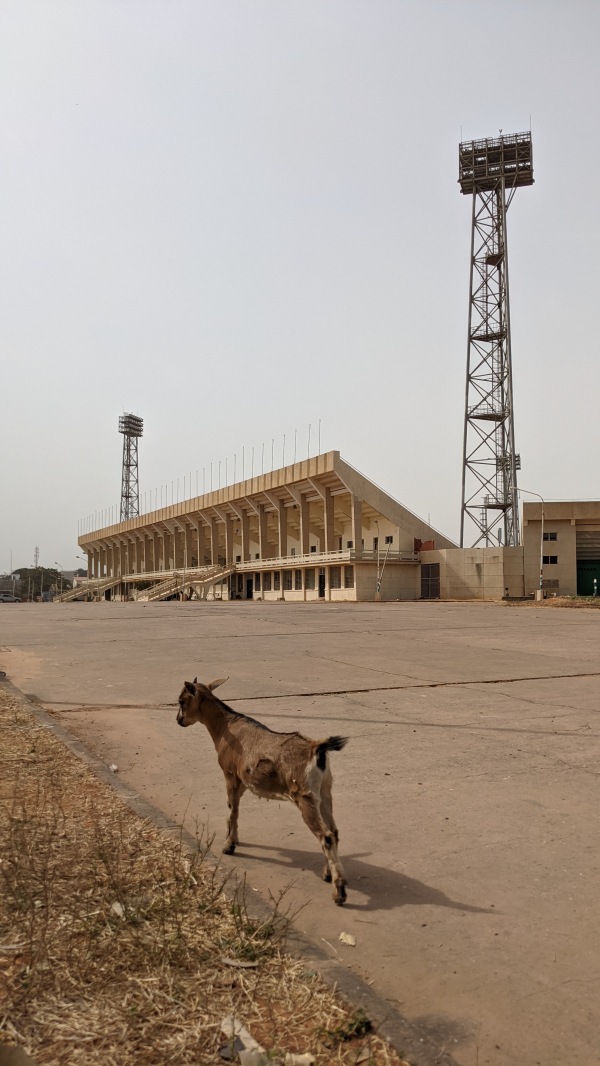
(587, 570)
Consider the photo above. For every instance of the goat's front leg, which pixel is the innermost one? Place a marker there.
(235, 791)
(328, 840)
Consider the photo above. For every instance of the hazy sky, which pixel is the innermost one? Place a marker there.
(236, 218)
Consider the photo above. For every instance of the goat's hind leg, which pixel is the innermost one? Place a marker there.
(327, 816)
(327, 838)
(235, 791)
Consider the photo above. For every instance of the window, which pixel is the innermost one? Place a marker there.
(550, 536)
(349, 543)
(548, 559)
(348, 577)
(257, 582)
(257, 556)
(238, 558)
(292, 551)
(309, 578)
(313, 547)
(267, 582)
(389, 540)
(335, 577)
(375, 543)
(298, 580)
(287, 580)
(276, 580)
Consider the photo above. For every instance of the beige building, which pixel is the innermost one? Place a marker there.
(316, 530)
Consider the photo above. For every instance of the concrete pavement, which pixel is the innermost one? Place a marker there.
(467, 800)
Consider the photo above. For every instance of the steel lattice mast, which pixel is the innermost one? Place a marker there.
(132, 428)
(491, 170)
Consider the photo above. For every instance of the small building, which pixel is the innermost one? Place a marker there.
(561, 544)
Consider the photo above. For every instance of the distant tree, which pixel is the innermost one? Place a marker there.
(34, 581)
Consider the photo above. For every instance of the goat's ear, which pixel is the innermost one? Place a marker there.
(190, 687)
(215, 684)
(195, 680)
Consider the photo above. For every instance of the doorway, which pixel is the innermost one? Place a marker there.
(322, 584)
(430, 581)
(249, 588)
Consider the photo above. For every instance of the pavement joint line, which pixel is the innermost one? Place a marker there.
(406, 1037)
(325, 692)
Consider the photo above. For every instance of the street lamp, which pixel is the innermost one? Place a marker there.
(530, 493)
(61, 575)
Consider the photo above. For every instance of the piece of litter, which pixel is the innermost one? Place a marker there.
(239, 962)
(118, 909)
(234, 1027)
(298, 1060)
(347, 938)
(113, 768)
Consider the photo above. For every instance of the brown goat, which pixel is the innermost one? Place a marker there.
(273, 766)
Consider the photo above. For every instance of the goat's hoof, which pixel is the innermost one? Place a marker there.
(229, 849)
(326, 875)
(340, 894)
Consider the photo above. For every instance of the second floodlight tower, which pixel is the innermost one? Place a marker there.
(132, 428)
(490, 171)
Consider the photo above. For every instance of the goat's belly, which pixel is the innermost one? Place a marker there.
(267, 794)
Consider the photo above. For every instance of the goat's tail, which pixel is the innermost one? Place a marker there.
(331, 744)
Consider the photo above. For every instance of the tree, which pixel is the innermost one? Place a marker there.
(32, 582)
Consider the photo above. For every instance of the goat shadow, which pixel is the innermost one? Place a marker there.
(380, 887)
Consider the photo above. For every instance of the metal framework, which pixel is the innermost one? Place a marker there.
(491, 170)
(131, 427)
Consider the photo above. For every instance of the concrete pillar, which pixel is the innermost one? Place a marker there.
(328, 519)
(139, 546)
(200, 541)
(264, 549)
(188, 551)
(357, 526)
(178, 545)
(214, 541)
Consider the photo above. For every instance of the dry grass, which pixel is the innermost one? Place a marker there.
(558, 601)
(119, 947)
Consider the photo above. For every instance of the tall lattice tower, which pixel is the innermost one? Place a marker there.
(491, 170)
(132, 428)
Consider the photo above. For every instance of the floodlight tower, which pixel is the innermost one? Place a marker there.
(131, 427)
(491, 170)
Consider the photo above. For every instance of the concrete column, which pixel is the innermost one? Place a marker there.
(281, 528)
(328, 519)
(357, 526)
(139, 546)
(214, 541)
(188, 551)
(200, 541)
(262, 533)
(178, 544)
(304, 525)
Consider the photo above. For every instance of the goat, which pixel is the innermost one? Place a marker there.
(273, 766)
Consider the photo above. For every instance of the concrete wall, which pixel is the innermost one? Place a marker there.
(478, 573)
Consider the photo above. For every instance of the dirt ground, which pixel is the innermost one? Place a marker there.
(467, 799)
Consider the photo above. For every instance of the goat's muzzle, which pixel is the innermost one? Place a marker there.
(180, 719)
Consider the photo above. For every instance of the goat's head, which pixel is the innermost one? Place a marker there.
(191, 699)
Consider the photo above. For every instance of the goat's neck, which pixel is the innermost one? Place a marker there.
(214, 718)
